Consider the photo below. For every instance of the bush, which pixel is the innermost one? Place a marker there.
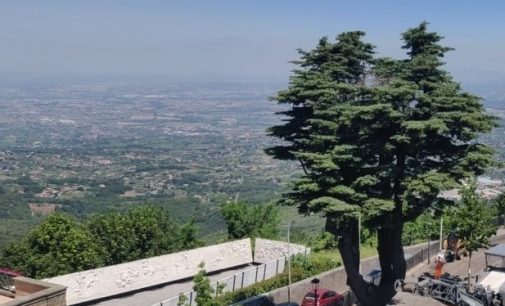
(62, 244)
(302, 267)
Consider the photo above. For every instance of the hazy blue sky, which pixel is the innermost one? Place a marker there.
(247, 39)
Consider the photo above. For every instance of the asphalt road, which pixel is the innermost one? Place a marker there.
(404, 298)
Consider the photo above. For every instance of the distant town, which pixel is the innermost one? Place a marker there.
(187, 147)
(91, 148)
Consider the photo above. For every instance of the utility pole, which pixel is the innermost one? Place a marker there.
(289, 261)
(359, 241)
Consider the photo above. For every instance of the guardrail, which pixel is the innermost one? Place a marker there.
(7, 279)
(6, 282)
(236, 281)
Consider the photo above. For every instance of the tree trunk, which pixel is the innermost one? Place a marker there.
(391, 260)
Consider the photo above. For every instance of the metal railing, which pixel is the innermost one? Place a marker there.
(7, 280)
(236, 281)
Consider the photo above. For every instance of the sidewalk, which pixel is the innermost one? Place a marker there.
(458, 267)
(404, 298)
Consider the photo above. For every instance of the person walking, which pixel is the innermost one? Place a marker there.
(439, 264)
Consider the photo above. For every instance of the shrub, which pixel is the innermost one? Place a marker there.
(302, 267)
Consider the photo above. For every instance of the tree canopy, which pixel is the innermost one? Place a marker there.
(61, 244)
(256, 221)
(473, 220)
(377, 138)
(499, 204)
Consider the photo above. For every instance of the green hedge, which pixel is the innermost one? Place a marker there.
(302, 267)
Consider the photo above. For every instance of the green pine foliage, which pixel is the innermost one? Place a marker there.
(373, 134)
(377, 138)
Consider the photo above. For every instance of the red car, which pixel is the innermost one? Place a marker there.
(325, 297)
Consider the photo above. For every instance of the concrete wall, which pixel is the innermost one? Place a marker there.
(30, 292)
(112, 280)
(336, 279)
(267, 250)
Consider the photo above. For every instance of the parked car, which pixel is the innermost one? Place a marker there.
(325, 297)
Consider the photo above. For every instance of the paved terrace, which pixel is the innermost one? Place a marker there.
(408, 299)
(456, 268)
(459, 267)
(5, 299)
